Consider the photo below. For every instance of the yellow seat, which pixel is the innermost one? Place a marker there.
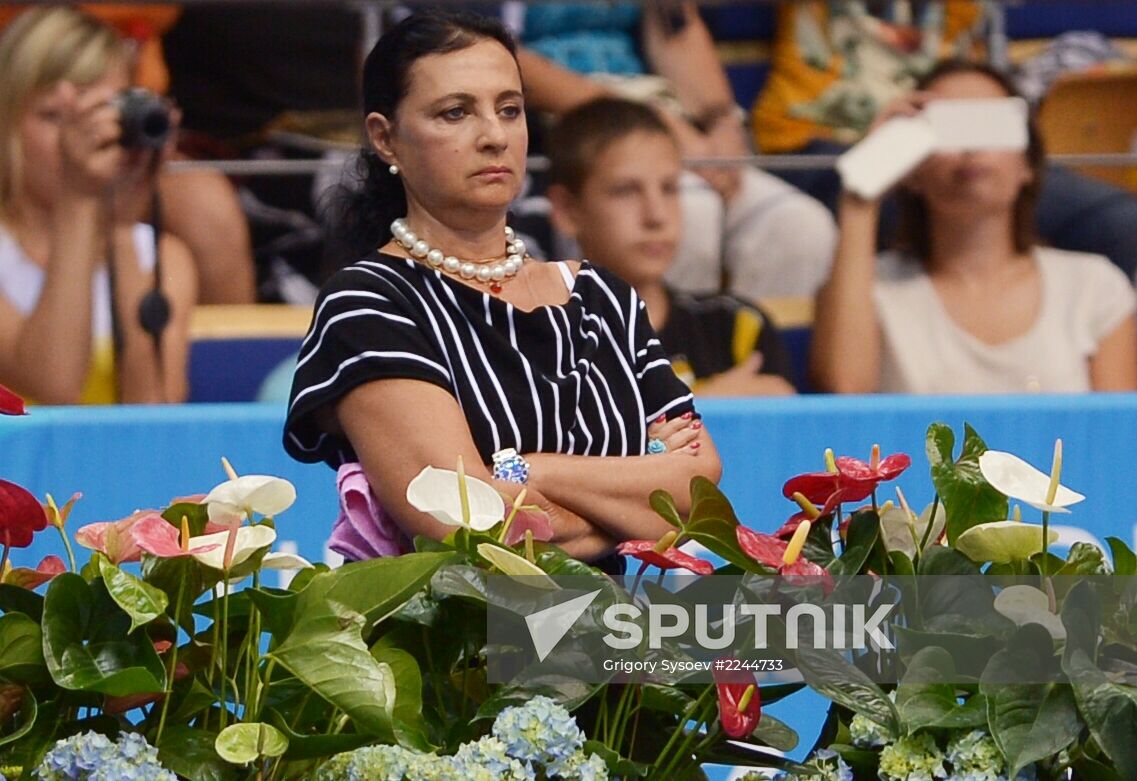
(1094, 112)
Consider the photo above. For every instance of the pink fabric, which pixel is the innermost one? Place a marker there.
(363, 530)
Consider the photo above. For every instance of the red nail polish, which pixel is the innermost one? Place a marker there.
(696, 424)
(661, 419)
(694, 445)
(687, 415)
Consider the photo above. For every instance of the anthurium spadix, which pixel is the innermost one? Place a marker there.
(437, 492)
(1012, 476)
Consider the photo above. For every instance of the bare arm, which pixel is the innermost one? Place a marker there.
(1114, 366)
(845, 351)
(551, 88)
(397, 427)
(613, 492)
(687, 58)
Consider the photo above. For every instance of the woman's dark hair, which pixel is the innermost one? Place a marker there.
(580, 136)
(361, 212)
(915, 234)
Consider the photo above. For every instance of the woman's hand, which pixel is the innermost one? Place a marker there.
(679, 434)
(90, 157)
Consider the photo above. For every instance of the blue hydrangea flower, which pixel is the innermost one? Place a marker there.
(371, 763)
(541, 731)
(825, 765)
(90, 756)
(975, 757)
(581, 767)
(866, 733)
(912, 758)
(487, 759)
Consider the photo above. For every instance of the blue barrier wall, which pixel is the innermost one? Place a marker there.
(125, 458)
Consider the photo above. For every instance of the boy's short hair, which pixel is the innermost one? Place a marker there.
(581, 135)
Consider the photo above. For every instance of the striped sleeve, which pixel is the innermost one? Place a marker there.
(663, 393)
(368, 324)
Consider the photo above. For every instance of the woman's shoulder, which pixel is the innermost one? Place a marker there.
(373, 272)
(1072, 264)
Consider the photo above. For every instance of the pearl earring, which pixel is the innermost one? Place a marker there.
(394, 169)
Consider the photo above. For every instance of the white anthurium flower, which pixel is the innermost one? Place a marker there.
(1012, 476)
(517, 567)
(250, 539)
(903, 534)
(248, 494)
(1029, 605)
(282, 560)
(1003, 541)
(436, 493)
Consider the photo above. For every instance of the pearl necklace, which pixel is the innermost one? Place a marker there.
(492, 274)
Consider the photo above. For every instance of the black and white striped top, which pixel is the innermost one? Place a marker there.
(583, 378)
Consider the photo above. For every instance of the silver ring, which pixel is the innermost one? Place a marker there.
(655, 446)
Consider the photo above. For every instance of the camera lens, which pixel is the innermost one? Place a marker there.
(145, 119)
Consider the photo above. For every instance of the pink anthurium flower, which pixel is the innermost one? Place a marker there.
(740, 702)
(10, 403)
(158, 537)
(115, 539)
(663, 554)
(25, 577)
(21, 516)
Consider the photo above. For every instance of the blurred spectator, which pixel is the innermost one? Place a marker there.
(970, 304)
(81, 310)
(614, 186)
(766, 238)
(836, 64)
(202, 205)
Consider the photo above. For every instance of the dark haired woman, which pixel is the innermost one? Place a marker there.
(970, 303)
(445, 339)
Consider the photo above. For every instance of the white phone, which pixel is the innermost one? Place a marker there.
(885, 156)
(978, 123)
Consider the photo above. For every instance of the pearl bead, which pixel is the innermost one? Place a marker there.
(451, 264)
(484, 273)
(498, 273)
(509, 233)
(468, 270)
(420, 249)
(516, 260)
(435, 257)
(409, 238)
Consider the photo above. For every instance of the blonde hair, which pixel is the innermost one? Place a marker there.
(41, 48)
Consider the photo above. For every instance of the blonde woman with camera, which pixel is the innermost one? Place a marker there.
(94, 304)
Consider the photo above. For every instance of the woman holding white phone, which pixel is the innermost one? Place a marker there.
(969, 302)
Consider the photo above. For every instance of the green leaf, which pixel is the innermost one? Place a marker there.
(717, 534)
(179, 575)
(1029, 720)
(277, 609)
(459, 580)
(29, 712)
(1124, 560)
(966, 495)
(832, 676)
(326, 651)
(190, 753)
(926, 698)
(86, 646)
(15, 599)
(618, 766)
(665, 699)
(139, 600)
(664, 505)
(21, 650)
(243, 743)
(707, 500)
(317, 746)
(775, 734)
(863, 535)
(410, 727)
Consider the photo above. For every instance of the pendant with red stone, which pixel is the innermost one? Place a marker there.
(495, 288)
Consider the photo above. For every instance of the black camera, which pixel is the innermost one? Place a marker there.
(145, 119)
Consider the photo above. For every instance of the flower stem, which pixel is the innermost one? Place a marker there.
(4, 556)
(1045, 542)
(67, 547)
(224, 646)
(691, 710)
(173, 662)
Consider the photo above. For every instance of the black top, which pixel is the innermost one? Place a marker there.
(706, 335)
(583, 378)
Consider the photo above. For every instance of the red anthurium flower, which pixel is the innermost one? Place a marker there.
(663, 554)
(28, 578)
(864, 477)
(740, 702)
(155, 535)
(10, 403)
(783, 557)
(809, 512)
(21, 516)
